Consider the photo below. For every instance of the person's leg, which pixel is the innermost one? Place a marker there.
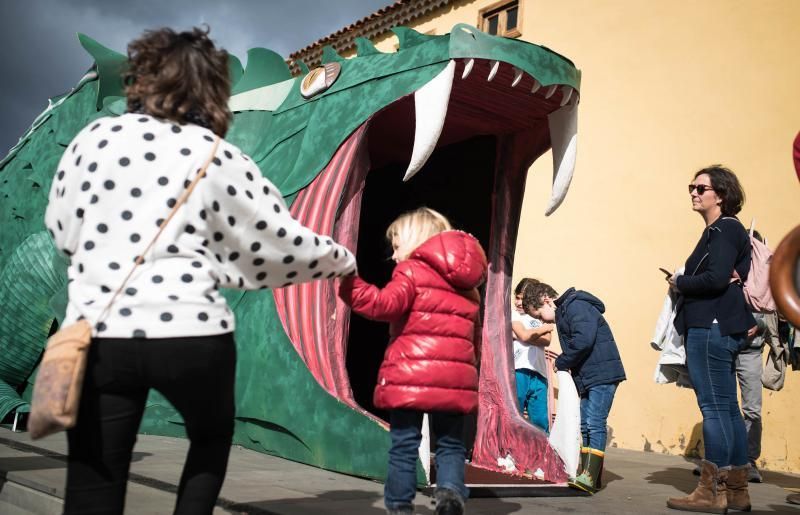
(522, 380)
(730, 349)
(748, 371)
(599, 400)
(595, 407)
(450, 452)
(711, 362)
(736, 477)
(710, 365)
(401, 479)
(537, 403)
(585, 419)
(197, 376)
(101, 443)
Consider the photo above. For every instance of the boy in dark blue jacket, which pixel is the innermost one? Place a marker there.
(589, 352)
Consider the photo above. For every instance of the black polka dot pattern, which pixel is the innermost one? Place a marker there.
(119, 180)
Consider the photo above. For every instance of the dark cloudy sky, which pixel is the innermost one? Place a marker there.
(41, 57)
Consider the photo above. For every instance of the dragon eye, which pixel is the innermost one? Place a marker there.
(320, 79)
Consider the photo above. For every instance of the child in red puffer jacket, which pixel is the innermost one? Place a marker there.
(430, 365)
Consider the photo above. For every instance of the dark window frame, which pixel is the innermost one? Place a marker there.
(500, 11)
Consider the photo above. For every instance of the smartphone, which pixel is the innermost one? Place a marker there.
(666, 272)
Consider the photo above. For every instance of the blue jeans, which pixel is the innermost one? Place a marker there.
(532, 393)
(401, 481)
(595, 406)
(711, 359)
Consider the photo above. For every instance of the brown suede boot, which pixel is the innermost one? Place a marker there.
(736, 485)
(709, 496)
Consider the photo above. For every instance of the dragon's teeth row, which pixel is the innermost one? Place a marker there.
(566, 94)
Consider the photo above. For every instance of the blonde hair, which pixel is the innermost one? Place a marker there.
(412, 229)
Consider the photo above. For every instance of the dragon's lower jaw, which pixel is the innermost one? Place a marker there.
(473, 169)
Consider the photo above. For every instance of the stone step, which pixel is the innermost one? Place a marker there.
(16, 499)
(32, 482)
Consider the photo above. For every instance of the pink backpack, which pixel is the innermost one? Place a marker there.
(756, 289)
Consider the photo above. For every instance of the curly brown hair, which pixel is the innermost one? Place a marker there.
(534, 295)
(179, 76)
(727, 187)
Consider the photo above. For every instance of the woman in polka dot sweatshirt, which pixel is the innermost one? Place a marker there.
(170, 329)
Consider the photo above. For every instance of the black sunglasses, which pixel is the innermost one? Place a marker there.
(701, 188)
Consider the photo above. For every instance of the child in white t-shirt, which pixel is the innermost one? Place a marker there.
(531, 336)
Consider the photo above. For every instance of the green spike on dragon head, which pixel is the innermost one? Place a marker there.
(452, 122)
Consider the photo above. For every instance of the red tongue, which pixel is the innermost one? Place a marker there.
(312, 316)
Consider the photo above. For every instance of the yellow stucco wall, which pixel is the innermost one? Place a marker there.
(668, 87)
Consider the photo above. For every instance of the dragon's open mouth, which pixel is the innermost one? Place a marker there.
(479, 126)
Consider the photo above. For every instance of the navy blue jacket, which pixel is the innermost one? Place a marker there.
(588, 349)
(706, 290)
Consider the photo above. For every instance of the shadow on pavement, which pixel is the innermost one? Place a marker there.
(776, 508)
(781, 480)
(30, 463)
(55, 461)
(609, 477)
(677, 477)
(330, 502)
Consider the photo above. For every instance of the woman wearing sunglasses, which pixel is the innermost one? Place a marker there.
(714, 320)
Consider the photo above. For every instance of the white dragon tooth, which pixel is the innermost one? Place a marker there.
(565, 95)
(430, 108)
(563, 125)
(550, 91)
(536, 86)
(467, 68)
(517, 77)
(493, 71)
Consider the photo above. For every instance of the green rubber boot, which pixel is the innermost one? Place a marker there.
(587, 480)
(582, 461)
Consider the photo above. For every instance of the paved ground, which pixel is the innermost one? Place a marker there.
(32, 479)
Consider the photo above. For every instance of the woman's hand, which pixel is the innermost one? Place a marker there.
(672, 284)
(752, 332)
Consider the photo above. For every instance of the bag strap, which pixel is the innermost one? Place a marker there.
(140, 258)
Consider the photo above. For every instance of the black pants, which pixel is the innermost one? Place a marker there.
(195, 374)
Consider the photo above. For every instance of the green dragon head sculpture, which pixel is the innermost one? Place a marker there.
(452, 122)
